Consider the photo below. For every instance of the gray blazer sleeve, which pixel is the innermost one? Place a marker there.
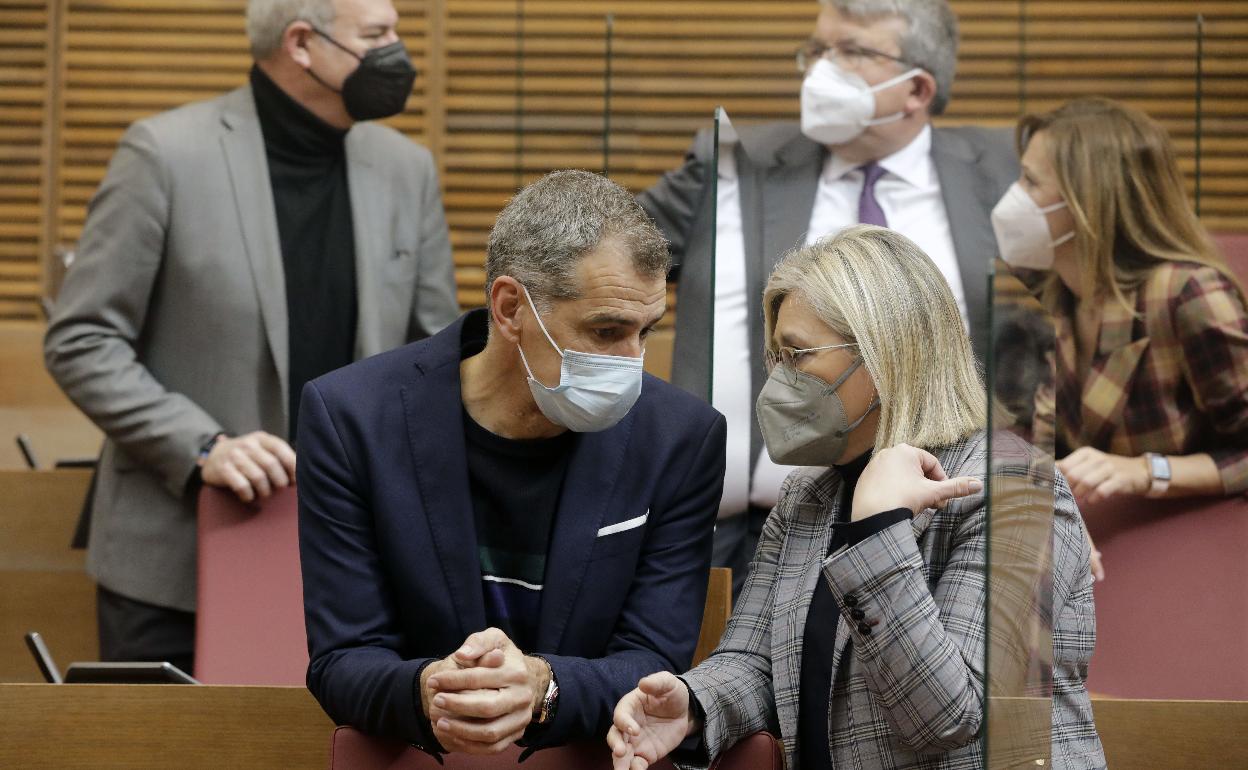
(923, 659)
(437, 303)
(91, 346)
(734, 684)
(679, 197)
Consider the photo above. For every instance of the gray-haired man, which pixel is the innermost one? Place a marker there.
(875, 73)
(237, 248)
(504, 526)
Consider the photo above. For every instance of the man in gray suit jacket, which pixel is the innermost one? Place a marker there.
(236, 249)
(865, 151)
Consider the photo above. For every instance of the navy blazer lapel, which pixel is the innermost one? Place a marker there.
(433, 409)
(584, 505)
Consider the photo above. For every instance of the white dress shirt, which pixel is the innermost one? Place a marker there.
(730, 371)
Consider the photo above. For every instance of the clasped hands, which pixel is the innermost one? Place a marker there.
(480, 698)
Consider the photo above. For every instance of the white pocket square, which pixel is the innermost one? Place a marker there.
(624, 526)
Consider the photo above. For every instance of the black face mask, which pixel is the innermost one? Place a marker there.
(379, 87)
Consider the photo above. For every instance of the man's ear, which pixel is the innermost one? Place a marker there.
(922, 93)
(295, 42)
(506, 298)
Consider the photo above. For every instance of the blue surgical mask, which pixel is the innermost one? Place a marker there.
(595, 391)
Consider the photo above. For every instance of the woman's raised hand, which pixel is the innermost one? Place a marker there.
(649, 722)
(906, 477)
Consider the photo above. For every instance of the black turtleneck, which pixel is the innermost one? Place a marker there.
(824, 614)
(308, 171)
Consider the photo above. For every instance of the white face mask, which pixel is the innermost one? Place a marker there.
(838, 105)
(595, 391)
(1023, 231)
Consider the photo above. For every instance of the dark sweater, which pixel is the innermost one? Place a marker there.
(308, 173)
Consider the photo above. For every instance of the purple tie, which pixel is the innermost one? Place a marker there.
(869, 211)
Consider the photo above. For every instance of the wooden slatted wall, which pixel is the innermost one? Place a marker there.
(512, 88)
(24, 64)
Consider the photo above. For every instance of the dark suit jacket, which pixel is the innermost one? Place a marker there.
(389, 549)
(778, 169)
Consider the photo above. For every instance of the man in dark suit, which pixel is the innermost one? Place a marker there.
(237, 248)
(504, 526)
(864, 151)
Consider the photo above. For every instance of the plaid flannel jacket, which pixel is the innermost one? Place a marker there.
(910, 693)
(1171, 379)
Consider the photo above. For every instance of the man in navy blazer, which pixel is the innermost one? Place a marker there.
(504, 526)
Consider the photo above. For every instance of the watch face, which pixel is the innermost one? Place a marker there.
(1159, 466)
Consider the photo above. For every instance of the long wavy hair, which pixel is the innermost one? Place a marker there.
(1117, 172)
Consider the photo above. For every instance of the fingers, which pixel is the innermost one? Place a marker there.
(941, 492)
(1088, 477)
(251, 466)
(482, 704)
(932, 468)
(280, 450)
(659, 684)
(480, 643)
(1098, 567)
(491, 735)
(478, 678)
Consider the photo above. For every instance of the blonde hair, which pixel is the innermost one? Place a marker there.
(1117, 172)
(875, 287)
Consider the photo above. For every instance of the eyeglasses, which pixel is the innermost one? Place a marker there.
(787, 358)
(846, 54)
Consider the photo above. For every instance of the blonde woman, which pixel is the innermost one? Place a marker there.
(859, 634)
(1151, 329)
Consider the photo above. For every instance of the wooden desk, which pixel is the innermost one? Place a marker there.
(43, 586)
(188, 727)
(1173, 734)
(161, 726)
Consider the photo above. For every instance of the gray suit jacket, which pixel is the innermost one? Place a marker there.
(778, 170)
(910, 694)
(171, 325)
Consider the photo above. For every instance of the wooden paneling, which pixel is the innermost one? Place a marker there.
(161, 726)
(510, 89)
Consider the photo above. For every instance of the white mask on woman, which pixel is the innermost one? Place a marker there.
(1023, 231)
(595, 391)
(838, 105)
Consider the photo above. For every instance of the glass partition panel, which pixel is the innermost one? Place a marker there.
(1021, 531)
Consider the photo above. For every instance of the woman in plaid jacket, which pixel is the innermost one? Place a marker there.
(861, 635)
(1151, 394)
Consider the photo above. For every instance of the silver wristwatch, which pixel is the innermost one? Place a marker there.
(1159, 470)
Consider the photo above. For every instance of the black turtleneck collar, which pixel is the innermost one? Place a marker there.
(291, 132)
(852, 470)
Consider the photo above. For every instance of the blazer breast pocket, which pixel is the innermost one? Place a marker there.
(620, 537)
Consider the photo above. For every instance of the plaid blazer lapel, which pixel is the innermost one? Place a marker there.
(1111, 373)
(804, 549)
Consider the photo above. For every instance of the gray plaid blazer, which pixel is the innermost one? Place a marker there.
(910, 694)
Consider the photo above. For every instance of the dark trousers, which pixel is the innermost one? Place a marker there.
(131, 630)
(736, 537)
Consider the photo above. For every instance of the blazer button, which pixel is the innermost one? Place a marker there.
(851, 600)
(857, 613)
(864, 629)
